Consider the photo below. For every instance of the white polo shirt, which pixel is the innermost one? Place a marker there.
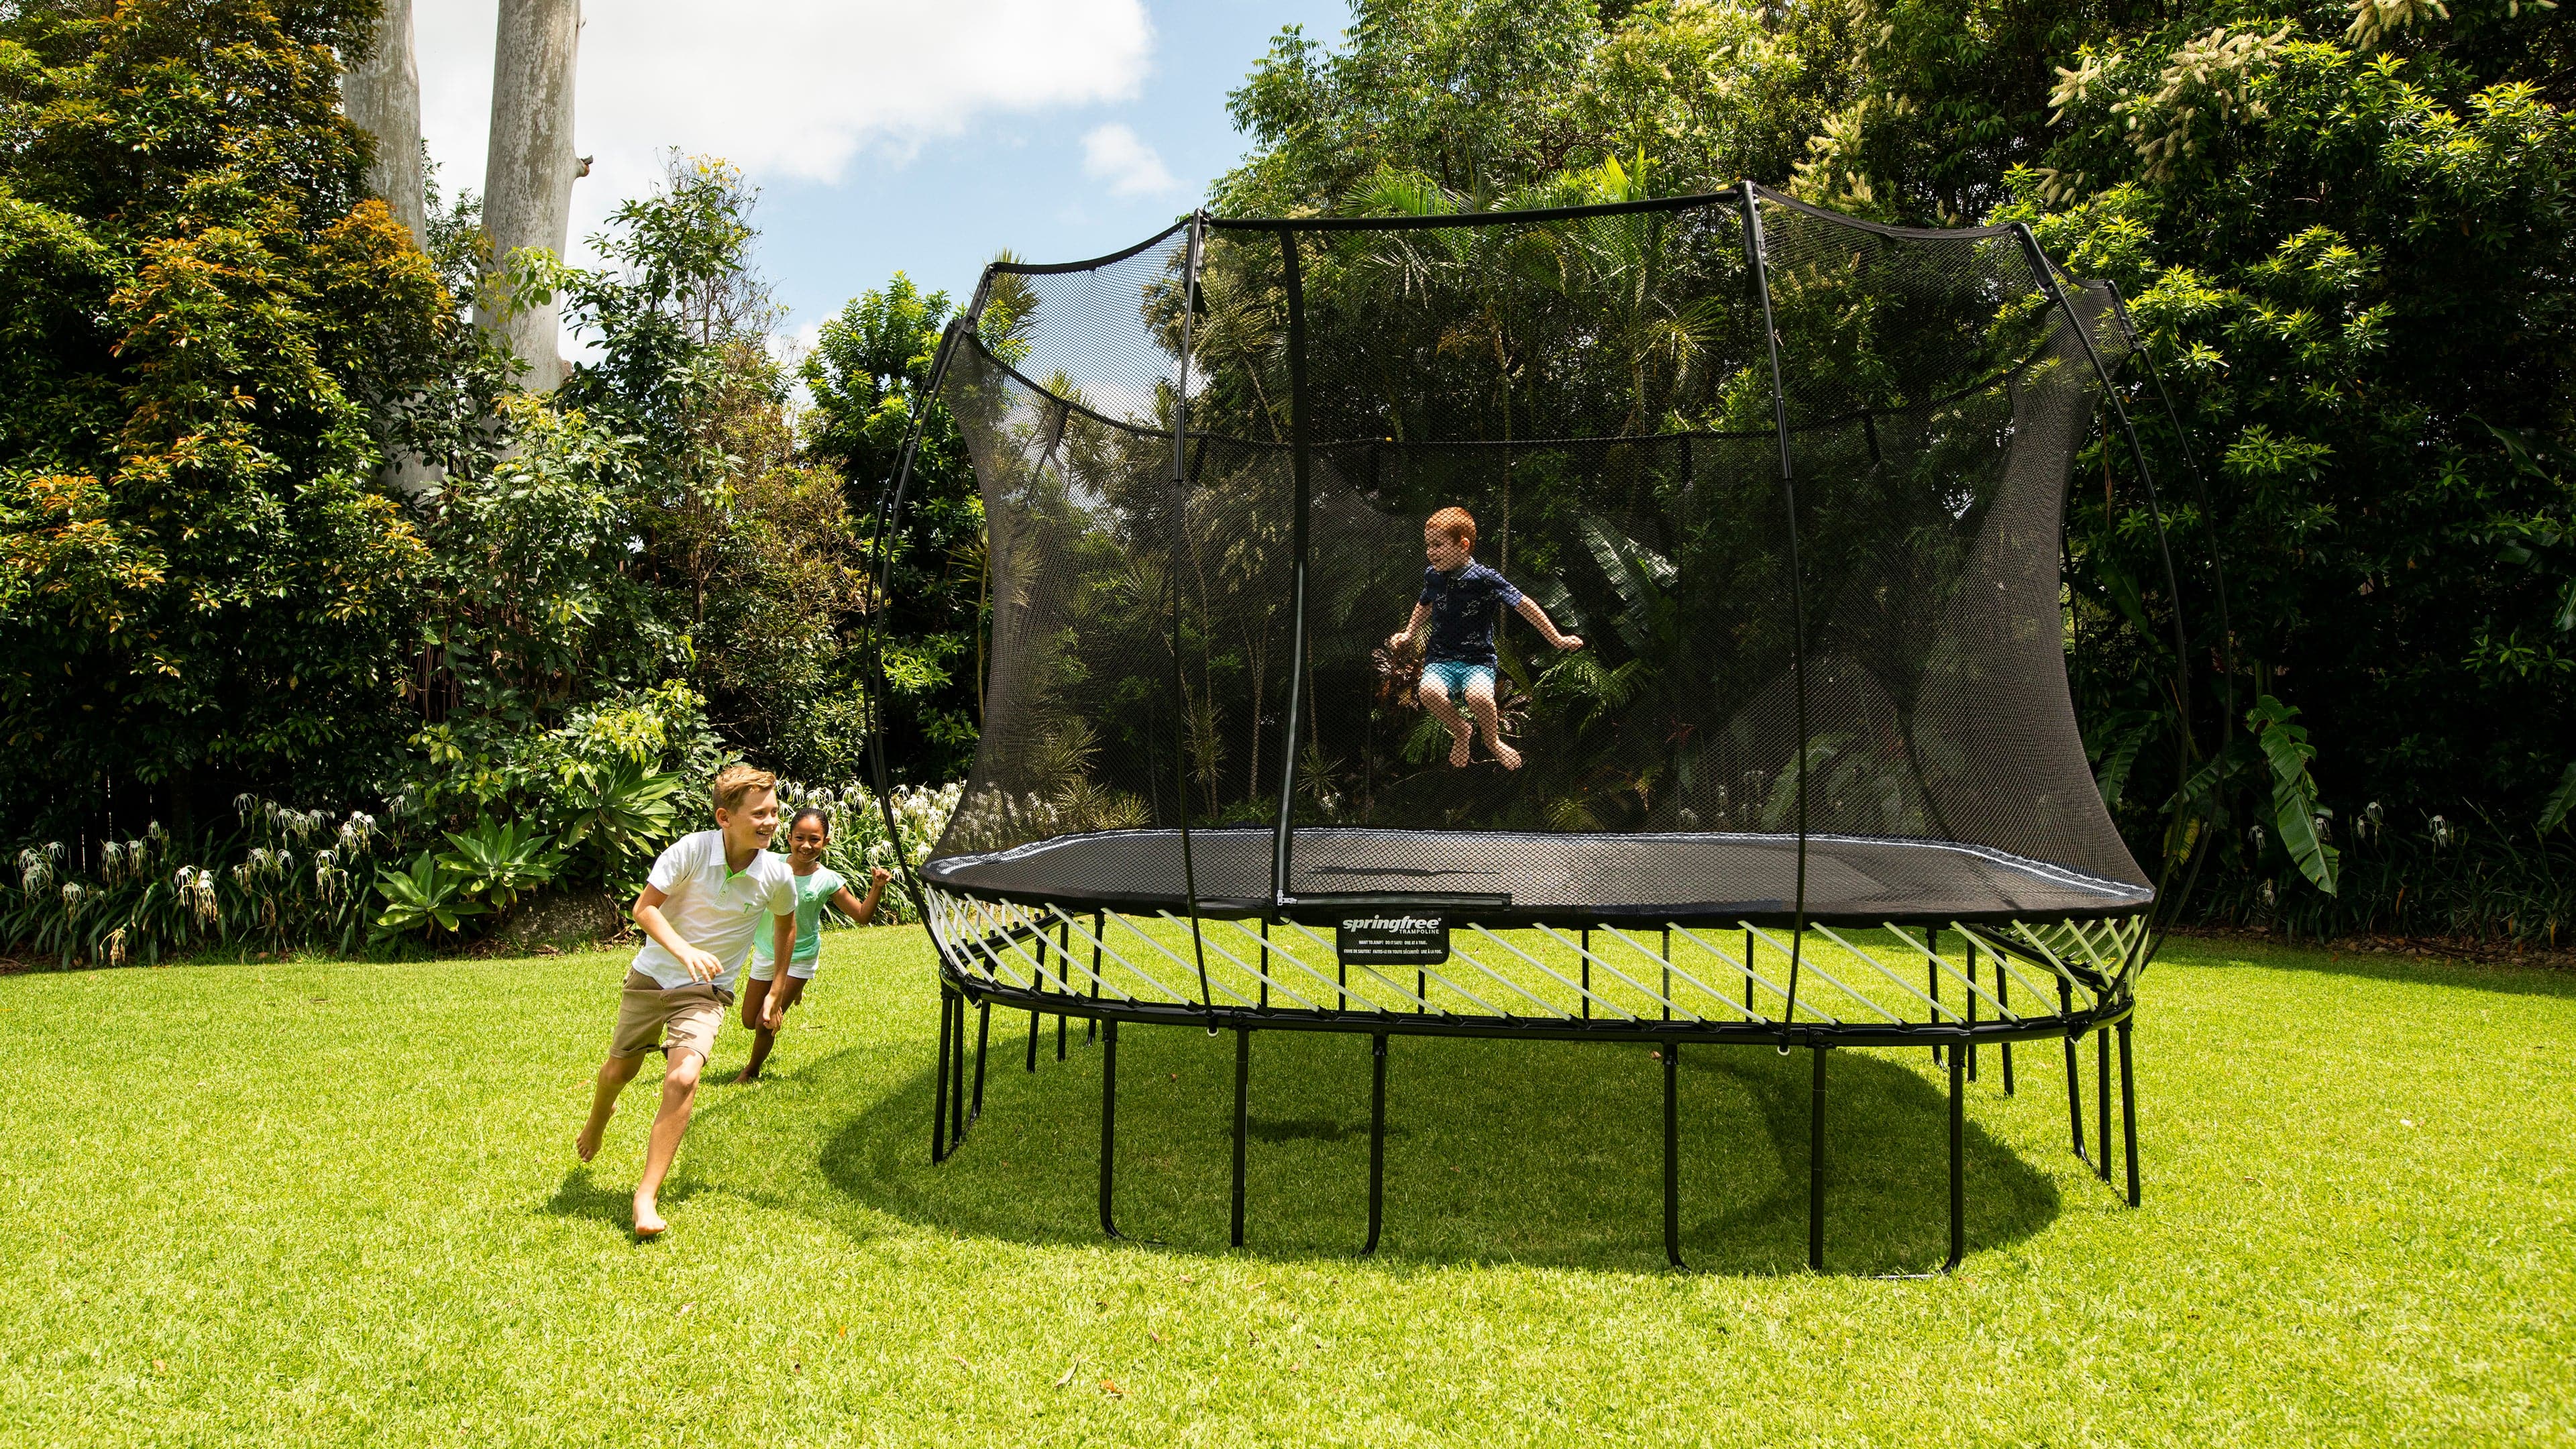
(719, 911)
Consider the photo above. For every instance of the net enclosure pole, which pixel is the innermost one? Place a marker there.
(1180, 549)
(1754, 263)
(1300, 508)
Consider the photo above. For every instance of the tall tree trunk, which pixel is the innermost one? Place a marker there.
(529, 171)
(381, 94)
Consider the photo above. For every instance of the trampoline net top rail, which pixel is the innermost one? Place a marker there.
(1822, 673)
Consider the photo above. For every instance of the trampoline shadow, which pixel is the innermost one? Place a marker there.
(1520, 1151)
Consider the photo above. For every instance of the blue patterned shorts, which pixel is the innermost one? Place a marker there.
(1454, 676)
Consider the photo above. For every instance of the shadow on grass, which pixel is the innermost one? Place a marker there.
(1539, 1152)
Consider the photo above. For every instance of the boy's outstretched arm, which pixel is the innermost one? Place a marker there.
(1421, 616)
(1529, 609)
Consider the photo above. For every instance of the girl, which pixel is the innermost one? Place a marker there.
(765, 999)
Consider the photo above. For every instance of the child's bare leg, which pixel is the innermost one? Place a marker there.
(755, 994)
(785, 992)
(679, 1099)
(613, 1076)
(1435, 698)
(1480, 699)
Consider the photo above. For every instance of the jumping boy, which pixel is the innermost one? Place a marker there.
(1461, 601)
(708, 896)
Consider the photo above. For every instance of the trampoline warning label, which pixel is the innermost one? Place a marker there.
(1392, 939)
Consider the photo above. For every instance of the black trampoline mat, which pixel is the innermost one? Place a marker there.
(1559, 878)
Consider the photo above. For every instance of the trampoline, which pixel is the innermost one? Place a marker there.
(1812, 782)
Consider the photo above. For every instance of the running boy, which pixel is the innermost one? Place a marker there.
(707, 897)
(765, 1005)
(1461, 601)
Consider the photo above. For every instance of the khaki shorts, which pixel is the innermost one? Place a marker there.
(689, 1014)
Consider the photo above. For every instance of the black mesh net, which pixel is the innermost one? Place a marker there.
(1595, 389)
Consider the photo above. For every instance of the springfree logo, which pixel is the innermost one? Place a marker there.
(1407, 925)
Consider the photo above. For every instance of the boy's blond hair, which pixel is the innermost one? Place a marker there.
(735, 781)
(1456, 522)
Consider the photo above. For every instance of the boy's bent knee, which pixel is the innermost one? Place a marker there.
(684, 1070)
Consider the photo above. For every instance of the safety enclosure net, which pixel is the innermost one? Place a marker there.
(1794, 480)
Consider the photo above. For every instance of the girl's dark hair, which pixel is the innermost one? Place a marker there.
(799, 818)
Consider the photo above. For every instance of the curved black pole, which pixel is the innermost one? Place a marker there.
(1755, 261)
(1180, 550)
(2047, 272)
(1292, 281)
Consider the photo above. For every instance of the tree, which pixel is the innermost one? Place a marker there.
(528, 175)
(203, 592)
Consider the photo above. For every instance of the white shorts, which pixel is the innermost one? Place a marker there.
(768, 970)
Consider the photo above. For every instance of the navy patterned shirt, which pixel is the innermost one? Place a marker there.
(1464, 608)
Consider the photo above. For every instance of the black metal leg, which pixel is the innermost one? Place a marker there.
(939, 1088)
(1242, 1119)
(1108, 1122)
(983, 1039)
(1586, 964)
(1668, 973)
(1816, 1168)
(957, 1083)
(2003, 995)
(1932, 977)
(1033, 1040)
(1972, 1016)
(1748, 972)
(1377, 1139)
(1672, 1155)
(1090, 1028)
(2129, 1111)
(2074, 1077)
(1265, 965)
(2102, 1104)
(1958, 1164)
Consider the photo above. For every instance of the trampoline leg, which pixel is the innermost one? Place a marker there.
(1059, 1036)
(983, 1039)
(1672, 1155)
(1748, 970)
(1932, 977)
(2003, 996)
(1377, 1139)
(939, 1088)
(2102, 1103)
(1242, 1094)
(1091, 1027)
(2074, 1077)
(957, 1082)
(2129, 1111)
(1587, 974)
(1816, 1168)
(1958, 1163)
(1972, 1018)
(1033, 1041)
(1108, 1122)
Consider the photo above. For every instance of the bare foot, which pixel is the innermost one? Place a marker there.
(648, 1221)
(586, 1146)
(1510, 757)
(747, 1074)
(1458, 742)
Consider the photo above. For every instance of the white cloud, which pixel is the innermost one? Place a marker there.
(1114, 154)
(786, 89)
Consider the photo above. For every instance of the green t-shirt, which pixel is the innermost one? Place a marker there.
(812, 891)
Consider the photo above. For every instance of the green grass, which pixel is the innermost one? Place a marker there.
(336, 1203)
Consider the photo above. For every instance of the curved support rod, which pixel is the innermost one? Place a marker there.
(2102, 1103)
(939, 1082)
(983, 1039)
(2129, 1110)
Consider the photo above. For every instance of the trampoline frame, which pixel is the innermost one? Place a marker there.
(994, 946)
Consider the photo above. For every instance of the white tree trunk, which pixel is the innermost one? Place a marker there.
(382, 96)
(529, 171)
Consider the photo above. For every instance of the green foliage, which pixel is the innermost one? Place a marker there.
(2295, 812)
(502, 861)
(433, 895)
(203, 585)
(868, 375)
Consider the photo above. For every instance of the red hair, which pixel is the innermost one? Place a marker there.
(1456, 522)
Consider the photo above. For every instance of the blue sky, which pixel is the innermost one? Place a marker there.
(890, 134)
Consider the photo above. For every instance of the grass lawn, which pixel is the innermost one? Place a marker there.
(336, 1203)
